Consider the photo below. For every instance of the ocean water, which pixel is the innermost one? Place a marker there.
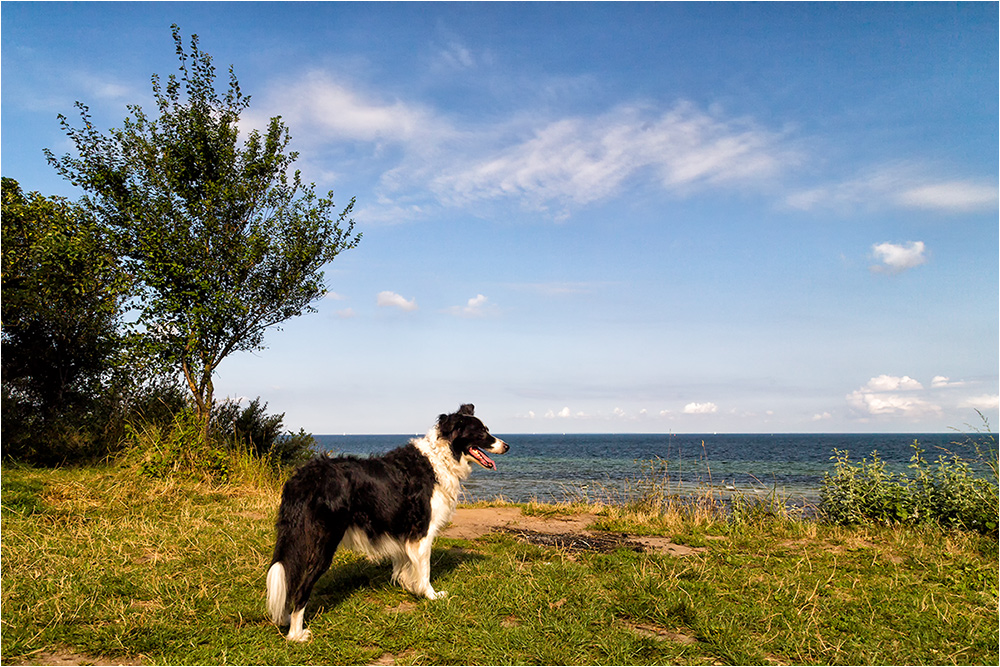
(554, 468)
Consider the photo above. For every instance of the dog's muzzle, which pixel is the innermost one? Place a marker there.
(498, 447)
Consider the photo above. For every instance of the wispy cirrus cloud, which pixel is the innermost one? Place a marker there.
(950, 196)
(580, 160)
(982, 403)
(330, 110)
(552, 162)
(897, 186)
(424, 159)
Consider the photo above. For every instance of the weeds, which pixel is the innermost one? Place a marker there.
(948, 492)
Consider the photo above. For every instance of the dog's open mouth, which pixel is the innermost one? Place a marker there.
(481, 458)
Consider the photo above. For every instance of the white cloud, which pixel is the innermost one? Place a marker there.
(824, 416)
(982, 403)
(429, 159)
(700, 408)
(879, 396)
(950, 196)
(569, 161)
(565, 413)
(897, 185)
(581, 160)
(891, 404)
(477, 306)
(941, 382)
(456, 56)
(892, 383)
(327, 109)
(334, 296)
(391, 299)
(898, 258)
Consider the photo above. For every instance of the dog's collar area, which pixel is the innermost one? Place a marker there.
(481, 458)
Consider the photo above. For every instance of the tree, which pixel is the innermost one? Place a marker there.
(61, 303)
(222, 243)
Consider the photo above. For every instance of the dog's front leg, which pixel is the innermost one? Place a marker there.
(417, 577)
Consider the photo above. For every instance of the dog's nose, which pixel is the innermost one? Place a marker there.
(504, 447)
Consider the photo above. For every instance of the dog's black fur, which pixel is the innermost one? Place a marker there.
(384, 506)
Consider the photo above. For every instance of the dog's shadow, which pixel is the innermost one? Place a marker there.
(351, 573)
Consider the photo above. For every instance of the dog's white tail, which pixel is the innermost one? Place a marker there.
(277, 593)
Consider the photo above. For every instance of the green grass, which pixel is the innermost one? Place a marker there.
(102, 562)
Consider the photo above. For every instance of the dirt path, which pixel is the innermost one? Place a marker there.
(566, 531)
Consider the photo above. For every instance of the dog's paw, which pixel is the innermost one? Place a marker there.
(439, 595)
(303, 636)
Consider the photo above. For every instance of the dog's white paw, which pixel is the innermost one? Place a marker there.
(439, 595)
(303, 636)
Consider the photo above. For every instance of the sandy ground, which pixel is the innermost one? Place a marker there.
(470, 523)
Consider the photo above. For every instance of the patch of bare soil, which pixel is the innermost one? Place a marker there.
(70, 657)
(656, 632)
(391, 659)
(568, 532)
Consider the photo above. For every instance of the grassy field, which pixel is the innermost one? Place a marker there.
(102, 565)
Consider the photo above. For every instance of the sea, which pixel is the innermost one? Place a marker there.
(618, 468)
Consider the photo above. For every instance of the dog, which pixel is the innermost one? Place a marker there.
(388, 506)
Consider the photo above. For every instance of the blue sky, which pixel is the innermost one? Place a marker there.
(597, 217)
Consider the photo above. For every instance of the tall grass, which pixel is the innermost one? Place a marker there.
(658, 501)
(177, 449)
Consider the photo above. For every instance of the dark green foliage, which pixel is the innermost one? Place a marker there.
(259, 433)
(61, 307)
(948, 491)
(223, 240)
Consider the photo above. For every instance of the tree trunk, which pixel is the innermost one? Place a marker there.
(203, 391)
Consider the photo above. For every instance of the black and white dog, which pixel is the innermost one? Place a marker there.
(384, 506)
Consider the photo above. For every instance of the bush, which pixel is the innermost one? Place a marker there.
(246, 444)
(948, 492)
(263, 435)
(176, 448)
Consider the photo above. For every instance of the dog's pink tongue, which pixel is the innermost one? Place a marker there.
(482, 459)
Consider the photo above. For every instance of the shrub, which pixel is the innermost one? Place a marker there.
(246, 444)
(949, 492)
(262, 435)
(176, 448)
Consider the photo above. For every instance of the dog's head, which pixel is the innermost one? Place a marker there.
(469, 437)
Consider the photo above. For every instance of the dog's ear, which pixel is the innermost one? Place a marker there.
(467, 409)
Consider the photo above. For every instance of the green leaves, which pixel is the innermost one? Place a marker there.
(222, 242)
(63, 291)
(948, 492)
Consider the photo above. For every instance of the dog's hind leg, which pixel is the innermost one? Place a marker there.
(316, 563)
(297, 633)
